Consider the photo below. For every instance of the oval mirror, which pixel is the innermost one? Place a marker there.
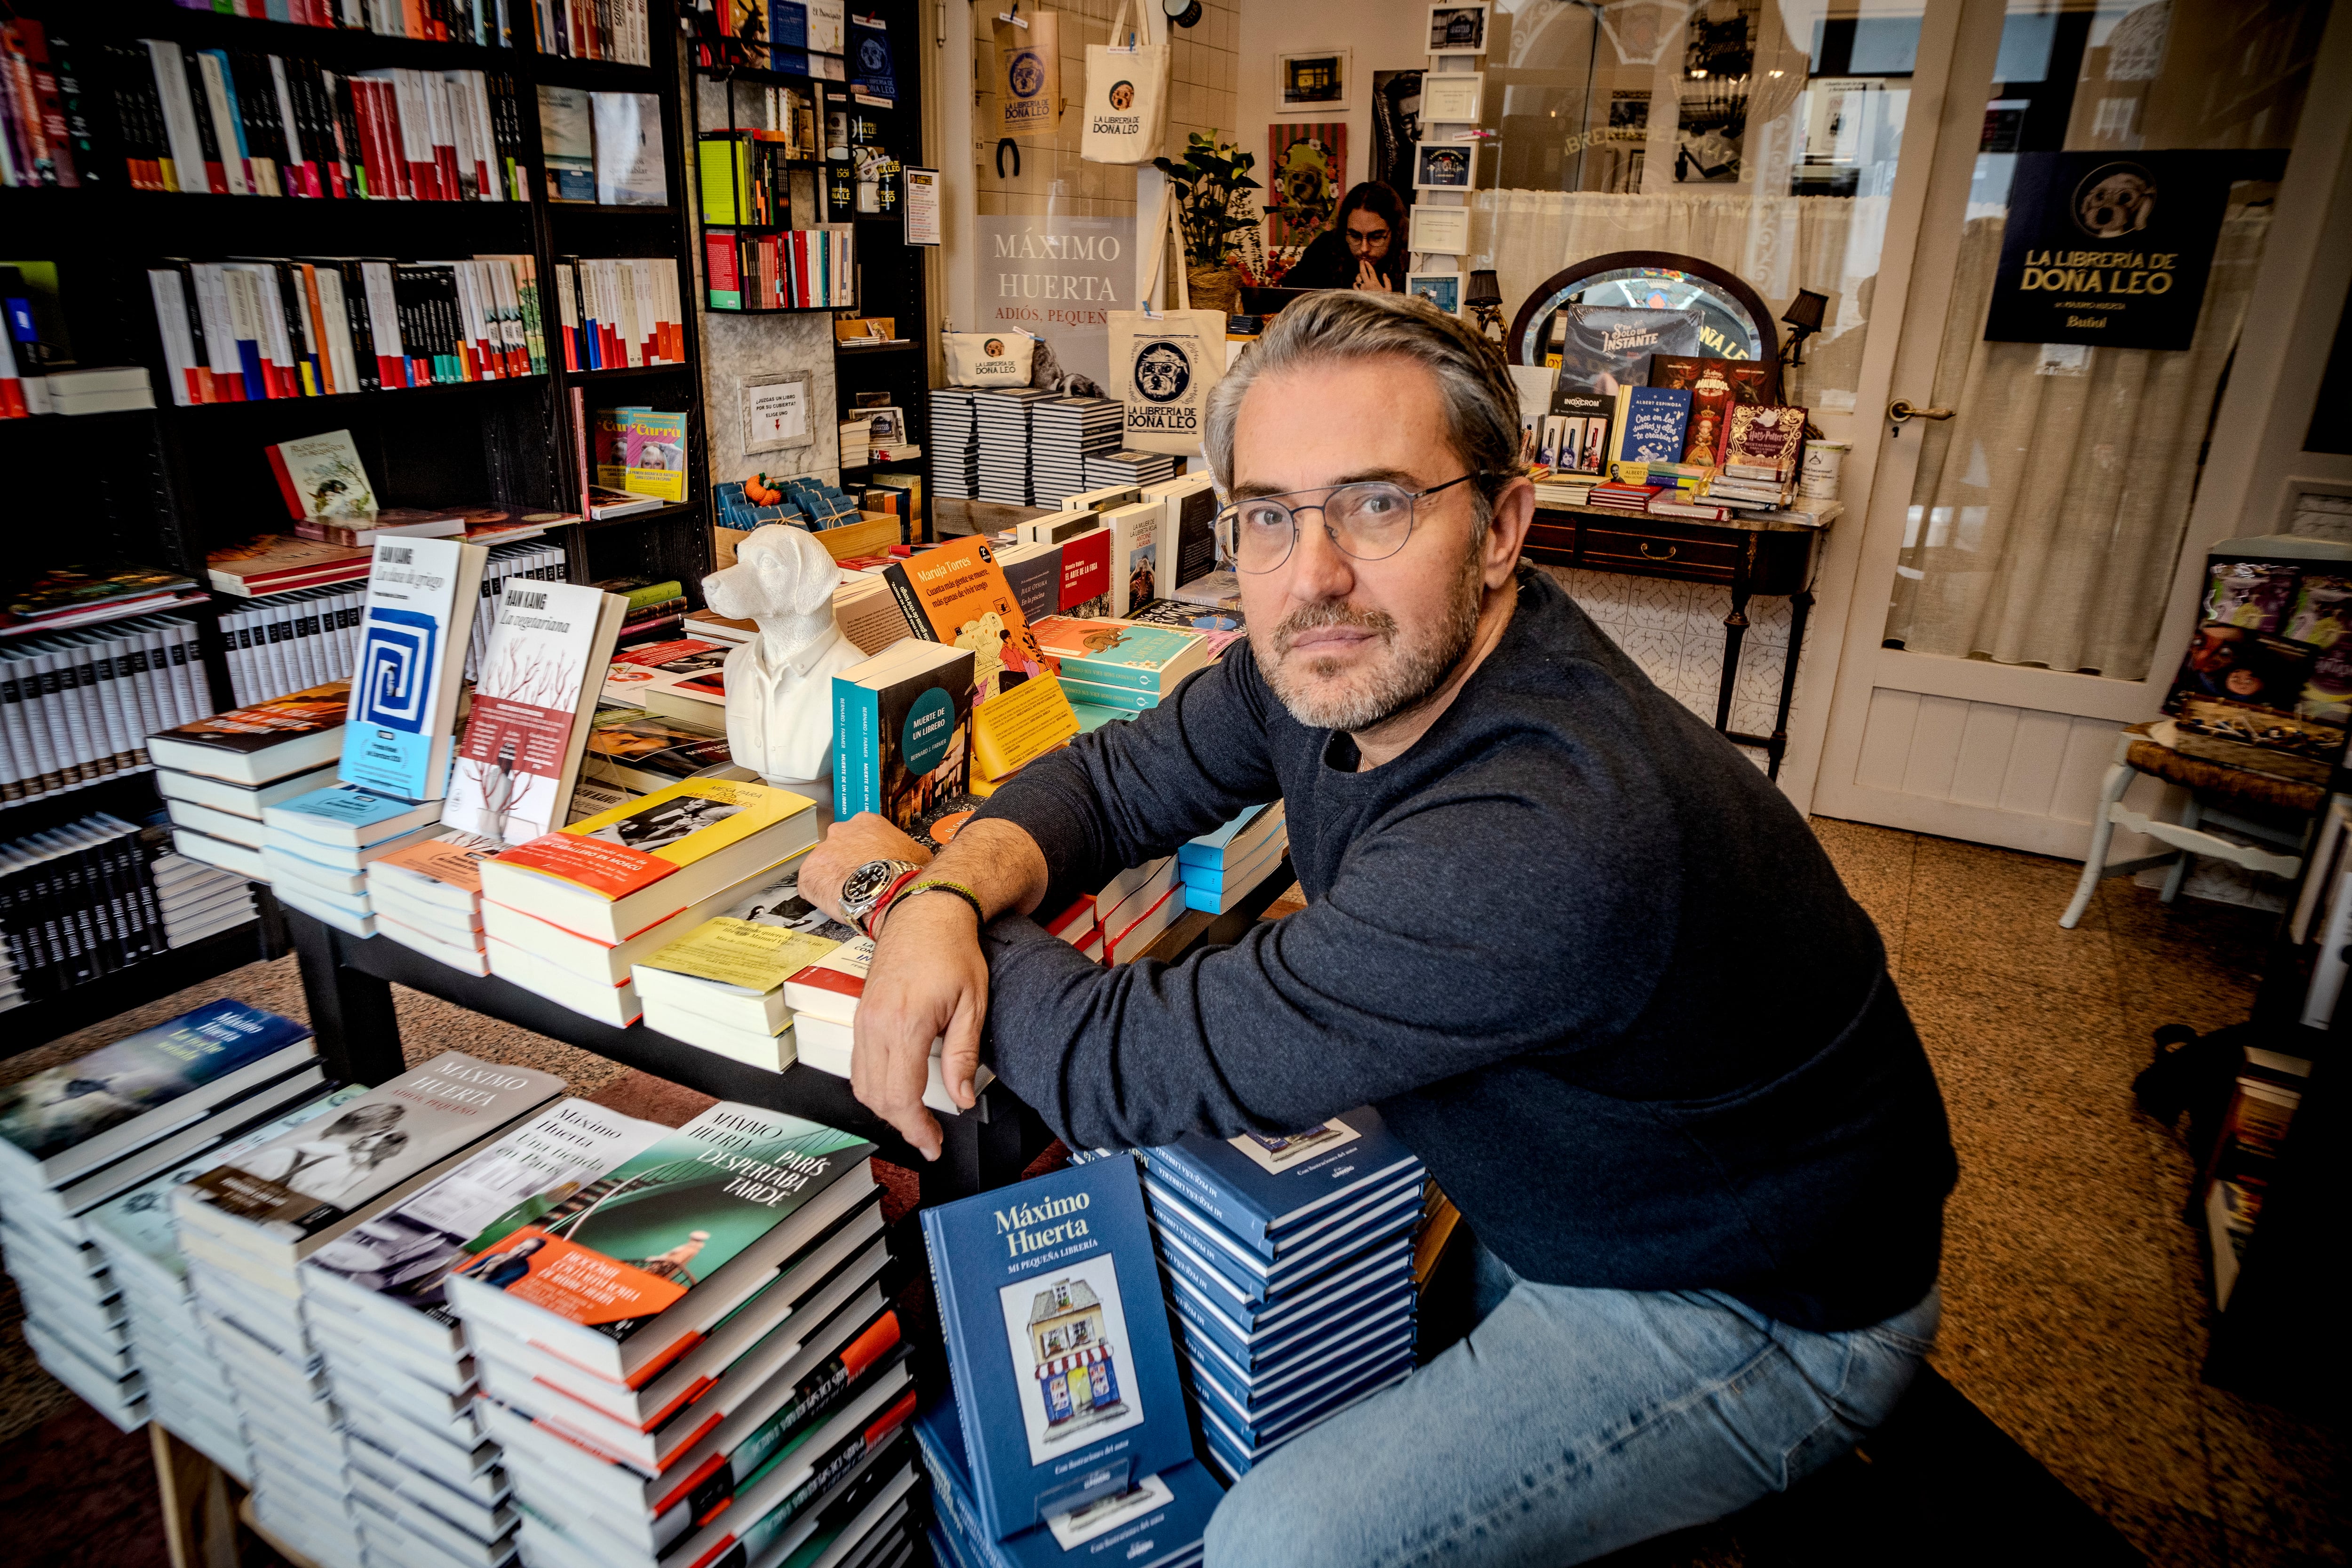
(1732, 322)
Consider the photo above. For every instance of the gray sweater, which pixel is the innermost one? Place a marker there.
(1589, 965)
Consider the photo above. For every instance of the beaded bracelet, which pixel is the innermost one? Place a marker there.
(938, 885)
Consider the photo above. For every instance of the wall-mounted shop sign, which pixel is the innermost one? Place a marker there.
(1058, 277)
(2109, 249)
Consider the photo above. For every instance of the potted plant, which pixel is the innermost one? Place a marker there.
(1211, 208)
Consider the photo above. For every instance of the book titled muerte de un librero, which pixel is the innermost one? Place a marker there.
(1059, 1342)
(688, 1229)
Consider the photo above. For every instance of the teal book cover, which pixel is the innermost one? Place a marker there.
(347, 805)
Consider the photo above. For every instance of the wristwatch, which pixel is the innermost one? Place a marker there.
(863, 888)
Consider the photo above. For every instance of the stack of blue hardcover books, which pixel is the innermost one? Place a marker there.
(1068, 1426)
(1289, 1265)
(1219, 867)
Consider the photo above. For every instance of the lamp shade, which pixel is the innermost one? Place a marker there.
(1806, 309)
(1484, 290)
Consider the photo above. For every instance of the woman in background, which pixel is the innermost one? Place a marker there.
(1363, 248)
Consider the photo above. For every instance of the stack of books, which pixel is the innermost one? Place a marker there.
(691, 1354)
(1611, 495)
(78, 1136)
(1557, 488)
(1076, 1443)
(1289, 1270)
(1120, 664)
(187, 1392)
(88, 899)
(1220, 868)
(245, 1226)
(427, 895)
(1002, 418)
(197, 900)
(217, 776)
(1161, 1521)
(316, 848)
(1066, 432)
(955, 442)
(823, 1000)
(1129, 467)
(720, 986)
(567, 914)
(1135, 907)
(427, 1483)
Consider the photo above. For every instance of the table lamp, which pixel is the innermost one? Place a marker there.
(1486, 301)
(1803, 319)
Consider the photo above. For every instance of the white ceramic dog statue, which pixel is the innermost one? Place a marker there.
(780, 684)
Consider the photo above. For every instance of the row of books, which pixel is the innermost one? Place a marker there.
(579, 29)
(37, 143)
(1288, 1264)
(615, 311)
(81, 902)
(484, 23)
(77, 706)
(602, 147)
(797, 269)
(243, 331)
(238, 122)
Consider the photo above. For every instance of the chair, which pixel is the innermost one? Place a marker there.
(2218, 795)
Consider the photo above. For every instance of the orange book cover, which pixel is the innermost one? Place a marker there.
(572, 1281)
(455, 860)
(956, 594)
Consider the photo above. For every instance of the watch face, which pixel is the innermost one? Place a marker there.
(866, 882)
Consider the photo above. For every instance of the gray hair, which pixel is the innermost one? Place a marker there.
(1338, 325)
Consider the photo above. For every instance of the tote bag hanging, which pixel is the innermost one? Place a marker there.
(1127, 95)
(989, 359)
(1163, 366)
(1028, 73)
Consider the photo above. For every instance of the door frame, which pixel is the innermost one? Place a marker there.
(2306, 261)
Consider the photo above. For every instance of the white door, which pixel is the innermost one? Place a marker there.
(2029, 566)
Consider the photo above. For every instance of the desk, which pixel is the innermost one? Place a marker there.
(348, 982)
(1746, 557)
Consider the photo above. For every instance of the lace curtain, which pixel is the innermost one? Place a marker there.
(2046, 520)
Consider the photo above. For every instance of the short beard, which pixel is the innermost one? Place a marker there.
(1410, 678)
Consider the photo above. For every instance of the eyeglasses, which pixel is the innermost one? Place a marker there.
(1367, 521)
(1373, 237)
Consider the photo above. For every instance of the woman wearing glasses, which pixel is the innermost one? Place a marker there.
(1586, 960)
(1363, 248)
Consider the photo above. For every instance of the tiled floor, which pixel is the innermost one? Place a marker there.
(2075, 1308)
(2074, 1300)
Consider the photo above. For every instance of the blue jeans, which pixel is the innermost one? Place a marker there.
(1569, 1423)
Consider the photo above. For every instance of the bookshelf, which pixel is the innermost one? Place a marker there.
(163, 487)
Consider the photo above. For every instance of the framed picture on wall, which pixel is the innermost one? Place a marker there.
(1458, 29)
(1453, 100)
(775, 412)
(1440, 231)
(1312, 82)
(1443, 289)
(1307, 165)
(1444, 165)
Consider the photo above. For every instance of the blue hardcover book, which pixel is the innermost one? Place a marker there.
(1377, 1296)
(347, 817)
(788, 25)
(1156, 1522)
(1058, 1342)
(1394, 1214)
(1651, 423)
(66, 1120)
(1254, 1393)
(1261, 1189)
(1311, 1404)
(1250, 1323)
(400, 732)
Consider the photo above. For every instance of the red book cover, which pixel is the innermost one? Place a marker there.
(1085, 569)
(286, 484)
(719, 264)
(609, 870)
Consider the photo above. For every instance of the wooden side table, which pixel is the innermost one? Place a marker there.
(1748, 558)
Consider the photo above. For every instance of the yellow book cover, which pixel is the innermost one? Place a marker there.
(746, 953)
(1024, 723)
(619, 852)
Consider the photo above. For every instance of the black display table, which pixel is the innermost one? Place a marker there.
(347, 981)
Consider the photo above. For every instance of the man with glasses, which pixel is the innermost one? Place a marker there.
(1586, 960)
(1363, 248)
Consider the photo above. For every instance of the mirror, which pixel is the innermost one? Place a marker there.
(1729, 321)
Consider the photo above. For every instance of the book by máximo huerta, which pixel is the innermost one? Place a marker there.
(1057, 1341)
(401, 729)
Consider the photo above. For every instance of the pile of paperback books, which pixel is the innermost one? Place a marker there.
(689, 1360)
(1065, 1439)
(1289, 1273)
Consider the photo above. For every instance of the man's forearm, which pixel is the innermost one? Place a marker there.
(999, 861)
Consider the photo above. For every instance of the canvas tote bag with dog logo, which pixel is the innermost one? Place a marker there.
(989, 359)
(1028, 72)
(1163, 366)
(1126, 108)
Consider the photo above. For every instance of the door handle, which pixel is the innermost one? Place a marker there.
(1903, 408)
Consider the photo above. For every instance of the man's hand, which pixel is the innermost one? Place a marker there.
(929, 981)
(1367, 277)
(847, 846)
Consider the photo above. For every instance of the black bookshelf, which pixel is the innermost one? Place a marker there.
(163, 487)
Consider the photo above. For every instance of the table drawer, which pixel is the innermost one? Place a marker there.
(1661, 553)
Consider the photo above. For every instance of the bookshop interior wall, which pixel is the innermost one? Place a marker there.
(790, 417)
